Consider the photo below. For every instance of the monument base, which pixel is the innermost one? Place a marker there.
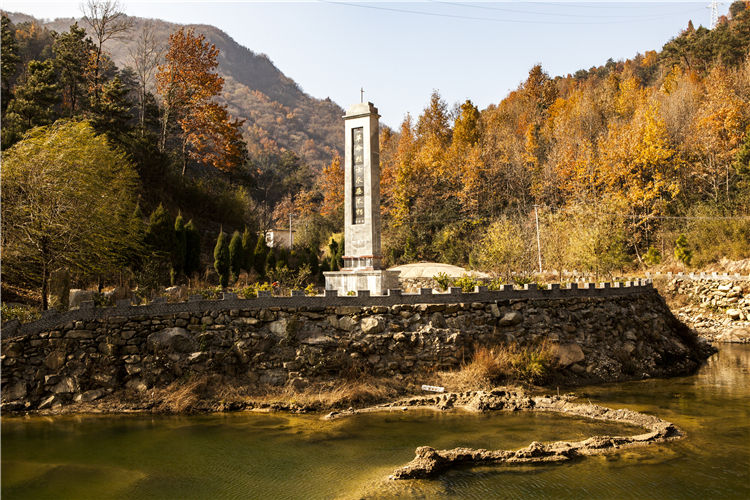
(378, 282)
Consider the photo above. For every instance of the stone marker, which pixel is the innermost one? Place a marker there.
(362, 260)
(59, 289)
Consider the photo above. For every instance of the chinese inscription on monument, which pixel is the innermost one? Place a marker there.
(358, 176)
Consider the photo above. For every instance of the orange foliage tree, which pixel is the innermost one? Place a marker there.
(187, 83)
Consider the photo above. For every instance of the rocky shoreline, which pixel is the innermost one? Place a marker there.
(430, 462)
(717, 310)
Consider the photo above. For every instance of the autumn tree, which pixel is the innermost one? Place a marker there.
(187, 83)
(146, 54)
(68, 200)
(107, 21)
(332, 186)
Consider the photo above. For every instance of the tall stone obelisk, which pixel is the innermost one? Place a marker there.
(362, 259)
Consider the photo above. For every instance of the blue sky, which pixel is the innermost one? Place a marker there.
(400, 51)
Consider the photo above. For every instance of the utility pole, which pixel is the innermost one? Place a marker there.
(291, 242)
(538, 245)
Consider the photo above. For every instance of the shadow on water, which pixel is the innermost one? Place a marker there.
(302, 456)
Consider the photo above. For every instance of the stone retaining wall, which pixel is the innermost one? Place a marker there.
(598, 334)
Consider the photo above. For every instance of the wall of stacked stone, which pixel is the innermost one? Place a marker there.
(196, 303)
(82, 355)
(700, 276)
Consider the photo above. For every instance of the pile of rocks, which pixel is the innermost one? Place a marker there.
(717, 310)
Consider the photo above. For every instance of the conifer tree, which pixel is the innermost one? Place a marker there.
(192, 249)
(248, 250)
(32, 105)
(283, 259)
(314, 266)
(682, 252)
(236, 255)
(271, 260)
(221, 259)
(9, 60)
(161, 239)
(179, 250)
(260, 257)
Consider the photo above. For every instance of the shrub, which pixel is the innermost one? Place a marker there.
(652, 257)
(467, 283)
(443, 280)
(22, 314)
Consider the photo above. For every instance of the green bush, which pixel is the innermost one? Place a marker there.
(443, 280)
(467, 283)
(22, 314)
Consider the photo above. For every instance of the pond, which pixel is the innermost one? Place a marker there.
(279, 456)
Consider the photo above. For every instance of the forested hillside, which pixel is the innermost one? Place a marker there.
(619, 160)
(279, 115)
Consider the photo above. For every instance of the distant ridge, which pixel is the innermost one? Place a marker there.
(279, 115)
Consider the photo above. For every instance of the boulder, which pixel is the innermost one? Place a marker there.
(89, 396)
(373, 325)
(177, 339)
(273, 377)
(510, 319)
(735, 335)
(55, 360)
(51, 402)
(59, 289)
(137, 384)
(347, 323)
(734, 314)
(118, 293)
(437, 320)
(177, 293)
(15, 391)
(65, 386)
(103, 380)
(77, 296)
(568, 354)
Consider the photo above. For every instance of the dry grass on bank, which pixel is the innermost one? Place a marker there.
(507, 365)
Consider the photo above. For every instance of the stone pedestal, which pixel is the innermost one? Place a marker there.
(378, 282)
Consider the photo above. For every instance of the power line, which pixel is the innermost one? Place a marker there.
(501, 9)
(505, 21)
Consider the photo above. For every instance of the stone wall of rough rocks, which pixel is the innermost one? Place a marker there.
(598, 334)
(719, 309)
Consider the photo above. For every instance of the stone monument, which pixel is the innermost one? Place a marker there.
(362, 260)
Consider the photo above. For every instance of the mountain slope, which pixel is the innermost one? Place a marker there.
(278, 114)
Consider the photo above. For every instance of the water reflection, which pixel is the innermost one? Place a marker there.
(290, 456)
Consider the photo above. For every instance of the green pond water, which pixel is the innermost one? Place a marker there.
(278, 456)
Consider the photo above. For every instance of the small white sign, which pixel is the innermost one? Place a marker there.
(433, 388)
